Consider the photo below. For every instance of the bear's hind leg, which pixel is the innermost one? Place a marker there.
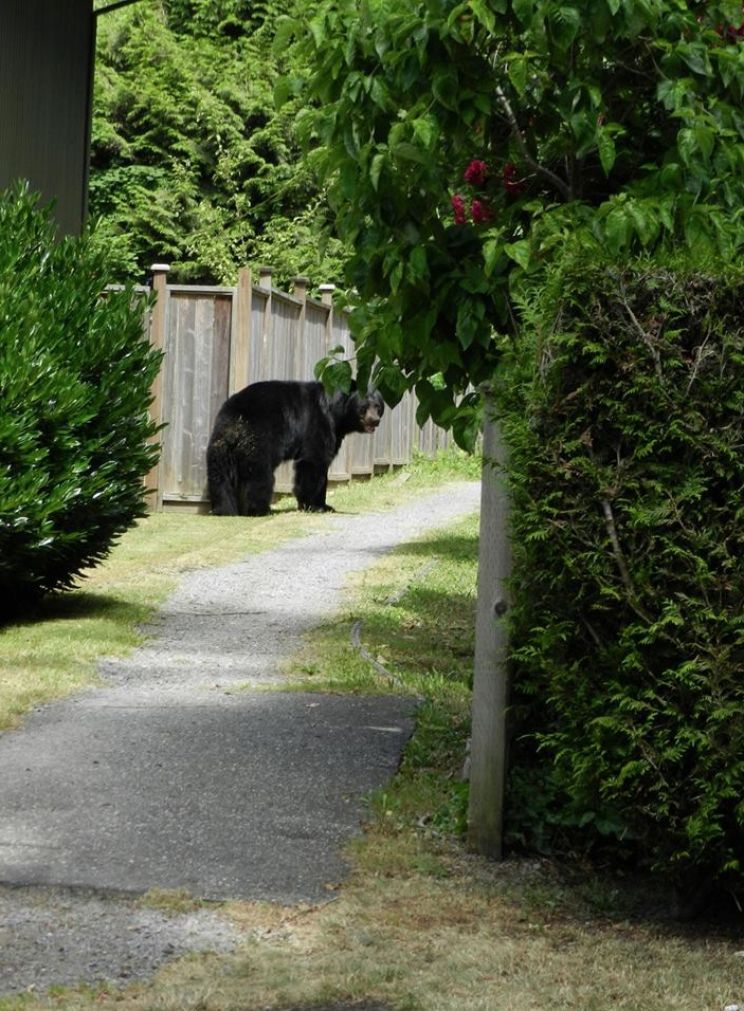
(222, 481)
(255, 489)
(310, 483)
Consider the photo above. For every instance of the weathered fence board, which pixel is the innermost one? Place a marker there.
(216, 340)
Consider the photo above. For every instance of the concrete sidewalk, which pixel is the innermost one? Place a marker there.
(176, 775)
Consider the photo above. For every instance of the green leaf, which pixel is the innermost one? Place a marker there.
(524, 10)
(444, 87)
(519, 252)
(695, 140)
(606, 148)
(286, 29)
(493, 252)
(645, 221)
(517, 67)
(379, 93)
(410, 152)
(483, 14)
(425, 130)
(618, 229)
(318, 31)
(418, 264)
(376, 168)
(565, 22)
(695, 55)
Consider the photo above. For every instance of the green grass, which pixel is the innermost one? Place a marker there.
(421, 924)
(52, 651)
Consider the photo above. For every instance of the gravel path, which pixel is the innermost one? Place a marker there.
(174, 775)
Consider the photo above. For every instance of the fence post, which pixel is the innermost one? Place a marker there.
(299, 289)
(490, 687)
(240, 344)
(267, 327)
(326, 297)
(153, 481)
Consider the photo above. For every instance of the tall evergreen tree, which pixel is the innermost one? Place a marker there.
(191, 162)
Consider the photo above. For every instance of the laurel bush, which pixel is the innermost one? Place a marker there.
(75, 377)
(625, 419)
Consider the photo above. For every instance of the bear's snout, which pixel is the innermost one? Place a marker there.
(371, 419)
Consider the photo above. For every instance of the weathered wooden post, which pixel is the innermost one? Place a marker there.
(153, 481)
(300, 285)
(490, 685)
(266, 369)
(240, 336)
(326, 297)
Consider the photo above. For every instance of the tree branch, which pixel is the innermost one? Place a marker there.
(563, 188)
(620, 560)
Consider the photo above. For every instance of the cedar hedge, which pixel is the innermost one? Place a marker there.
(625, 421)
(75, 377)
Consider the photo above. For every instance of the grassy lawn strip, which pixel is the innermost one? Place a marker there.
(53, 651)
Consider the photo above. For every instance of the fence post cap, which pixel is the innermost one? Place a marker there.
(264, 276)
(160, 267)
(326, 287)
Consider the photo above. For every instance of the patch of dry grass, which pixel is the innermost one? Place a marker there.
(457, 941)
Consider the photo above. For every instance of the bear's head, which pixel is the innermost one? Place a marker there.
(370, 409)
(357, 412)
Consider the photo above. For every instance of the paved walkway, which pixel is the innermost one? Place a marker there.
(176, 775)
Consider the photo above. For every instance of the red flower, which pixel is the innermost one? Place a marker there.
(510, 180)
(458, 206)
(476, 173)
(479, 212)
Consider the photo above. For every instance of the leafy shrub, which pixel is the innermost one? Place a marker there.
(627, 471)
(75, 376)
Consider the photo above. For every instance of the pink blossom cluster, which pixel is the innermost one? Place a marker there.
(476, 174)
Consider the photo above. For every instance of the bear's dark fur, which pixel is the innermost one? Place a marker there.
(259, 427)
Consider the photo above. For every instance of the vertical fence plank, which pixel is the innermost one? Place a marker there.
(258, 357)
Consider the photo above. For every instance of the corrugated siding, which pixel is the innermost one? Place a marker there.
(46, 51)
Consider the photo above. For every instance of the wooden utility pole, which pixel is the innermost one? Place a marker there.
(490, 683)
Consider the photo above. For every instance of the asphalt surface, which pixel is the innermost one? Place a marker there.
(183, 772)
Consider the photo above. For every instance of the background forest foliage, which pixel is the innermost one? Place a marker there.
(192, 164)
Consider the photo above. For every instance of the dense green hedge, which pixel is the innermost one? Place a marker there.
(627, 441)
(75, 376)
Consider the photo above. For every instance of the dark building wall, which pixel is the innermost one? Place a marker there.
(46, 52)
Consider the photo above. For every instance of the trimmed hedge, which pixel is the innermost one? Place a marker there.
(627, 471)
(75, 377)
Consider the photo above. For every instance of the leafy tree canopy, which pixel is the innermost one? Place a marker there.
(191, 161)
(465, 143)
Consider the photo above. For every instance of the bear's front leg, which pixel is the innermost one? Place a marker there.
(310, 483)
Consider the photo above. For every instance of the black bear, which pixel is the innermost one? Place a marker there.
(259, 427)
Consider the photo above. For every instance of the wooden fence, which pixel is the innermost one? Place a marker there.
(215, 341)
